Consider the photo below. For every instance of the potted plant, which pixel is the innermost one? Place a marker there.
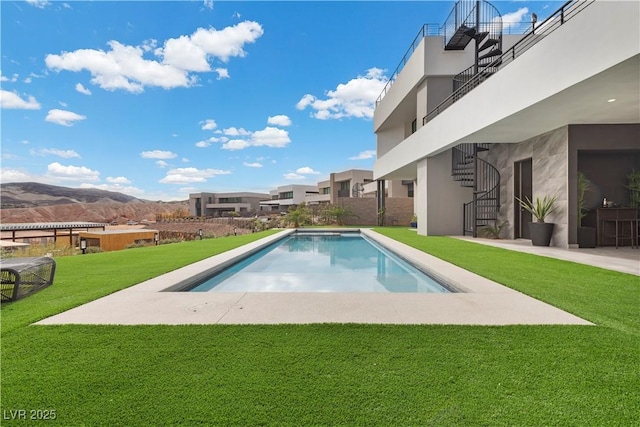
(414, 221)
(633, 185)
(586, 235)
(540, 231)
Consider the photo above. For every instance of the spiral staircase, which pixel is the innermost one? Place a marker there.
(480, 21)
(484, 179)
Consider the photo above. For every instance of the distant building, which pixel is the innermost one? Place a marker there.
(282, 198)
(221, 204)
(348, 183)
(115, 240)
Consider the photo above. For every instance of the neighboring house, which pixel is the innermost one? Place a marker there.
(348, 183)
(286, 196)
(221, 204)
(115, 240)
(475, 124)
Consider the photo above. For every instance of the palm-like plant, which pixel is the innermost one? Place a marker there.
(541, 208)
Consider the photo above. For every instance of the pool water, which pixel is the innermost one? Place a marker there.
(319, 262)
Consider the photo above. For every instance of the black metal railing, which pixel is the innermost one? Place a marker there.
(437, 30)
(463, 13)
(540, 31)
(425, 30)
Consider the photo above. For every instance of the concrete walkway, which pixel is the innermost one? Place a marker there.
(479, 302)
(625, 259)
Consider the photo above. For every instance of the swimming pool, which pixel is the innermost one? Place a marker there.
(321, 262)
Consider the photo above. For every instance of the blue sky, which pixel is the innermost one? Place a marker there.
(161, 99)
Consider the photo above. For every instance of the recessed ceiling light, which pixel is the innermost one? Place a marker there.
(612, 100)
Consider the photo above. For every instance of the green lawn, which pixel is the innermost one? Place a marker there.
(328, 374)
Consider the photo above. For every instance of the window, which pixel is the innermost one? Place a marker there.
(286, 195)
(230, 200)
(325, 190)
(414, 125)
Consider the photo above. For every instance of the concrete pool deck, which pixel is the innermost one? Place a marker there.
(482, 301)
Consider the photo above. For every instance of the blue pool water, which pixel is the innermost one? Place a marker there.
(319, 262)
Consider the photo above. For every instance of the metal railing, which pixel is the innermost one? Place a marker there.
(426, 30)
(437, 30)
(463, 12)
(540, 31)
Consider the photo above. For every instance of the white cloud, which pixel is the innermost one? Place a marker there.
(236, 144)
(208, 142)
(125, 67)
(72, 173)
(513, 19)
(40, 4)
(11, 100)
(161, 164)
(13, 78)
(356, 98)
(117, 180)
(293, 176)
(252, 165)
(270, 137)
(82, 89)
(223, 73)
(267, 137)
(232, 131)
(208, 4)
(189, 175)
(14, 175)
(158, 154)
(66, 154)
(279, 120)
(307, 171)
(226, 43)
(209, 124)
(363, 155)
(305, 101)
(63, 117)
(27, 80)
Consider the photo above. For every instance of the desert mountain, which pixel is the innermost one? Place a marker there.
(34, 202)
(31, 194)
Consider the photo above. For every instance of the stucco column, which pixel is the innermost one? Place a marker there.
(420, 196)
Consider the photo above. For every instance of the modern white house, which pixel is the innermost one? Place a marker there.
(475, 118)
(349, 183)
(285, 196)
(220, 204)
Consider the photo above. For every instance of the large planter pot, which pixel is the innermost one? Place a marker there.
(586, 237)
(541, 233)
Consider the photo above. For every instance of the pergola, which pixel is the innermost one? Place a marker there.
(59, 229)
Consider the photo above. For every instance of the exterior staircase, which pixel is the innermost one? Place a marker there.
(480, 21)
(484, 179)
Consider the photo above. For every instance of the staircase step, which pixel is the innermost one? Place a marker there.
(460, 39)
(490, 54)
(487, 44)
(481, 35)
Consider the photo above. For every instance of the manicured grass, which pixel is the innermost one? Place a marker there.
(602, 296)
(331, 374)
